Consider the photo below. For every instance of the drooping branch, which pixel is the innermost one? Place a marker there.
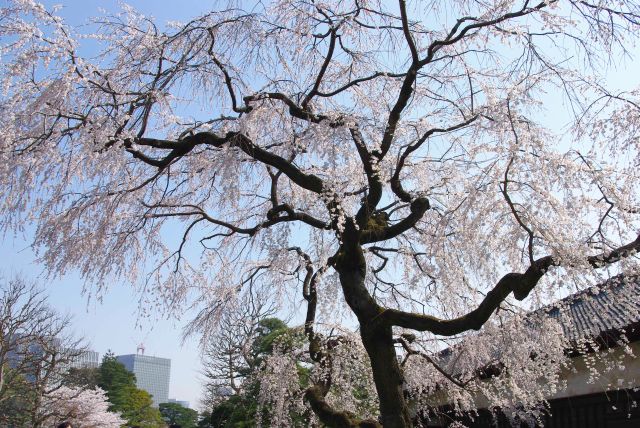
(411, 351)
(514, 211)
(505, 191)
(294, 109)
(331, 417)
(309, 293)
(227, 78)
(457, 33)
(520, 284)
(356, 82)
(615, 255)
(320, 353)
(373, 179)
(323, 69)
(273, 217)
(407, 32)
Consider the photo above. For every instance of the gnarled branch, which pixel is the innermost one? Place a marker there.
(520, 284)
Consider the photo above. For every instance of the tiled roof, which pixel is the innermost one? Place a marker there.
(600, 312)
(607, 307)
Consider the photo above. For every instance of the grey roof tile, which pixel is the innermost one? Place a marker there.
(599, 310)
(606, 307)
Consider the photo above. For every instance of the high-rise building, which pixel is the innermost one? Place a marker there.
(31, 354)
(85, 359)
(152, 374)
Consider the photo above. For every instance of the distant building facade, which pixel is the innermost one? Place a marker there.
(152, 374)
(34, 353)
(180, 402)
(87, 359)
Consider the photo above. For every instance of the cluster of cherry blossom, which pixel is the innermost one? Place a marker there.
(80, 407)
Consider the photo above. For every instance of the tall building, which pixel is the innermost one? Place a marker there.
(152, 374)
(86, 359)
(31, 353)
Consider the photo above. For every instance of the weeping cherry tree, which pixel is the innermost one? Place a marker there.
(398, 169)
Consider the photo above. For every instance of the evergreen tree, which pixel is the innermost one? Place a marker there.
(134, 404)
(240, 409)
(176, 414)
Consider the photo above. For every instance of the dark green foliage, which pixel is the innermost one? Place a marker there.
(303, 375)
(240, 410)
(138, 409)
(269, 330)
(204, 420)
(83, 377)
(115, 379)
(176, 414)
(18, 398)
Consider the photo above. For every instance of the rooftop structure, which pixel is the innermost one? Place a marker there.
(602, 311)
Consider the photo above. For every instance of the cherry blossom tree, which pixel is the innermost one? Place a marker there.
(408, 168)
(81, 407)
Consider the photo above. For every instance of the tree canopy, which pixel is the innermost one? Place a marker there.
(234, 365)
(177, 414)
(416, 169)
(80, 407)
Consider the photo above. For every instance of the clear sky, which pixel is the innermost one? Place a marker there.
(114, 323)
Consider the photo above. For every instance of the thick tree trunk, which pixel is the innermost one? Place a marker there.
(378, 342)
(376, 337)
